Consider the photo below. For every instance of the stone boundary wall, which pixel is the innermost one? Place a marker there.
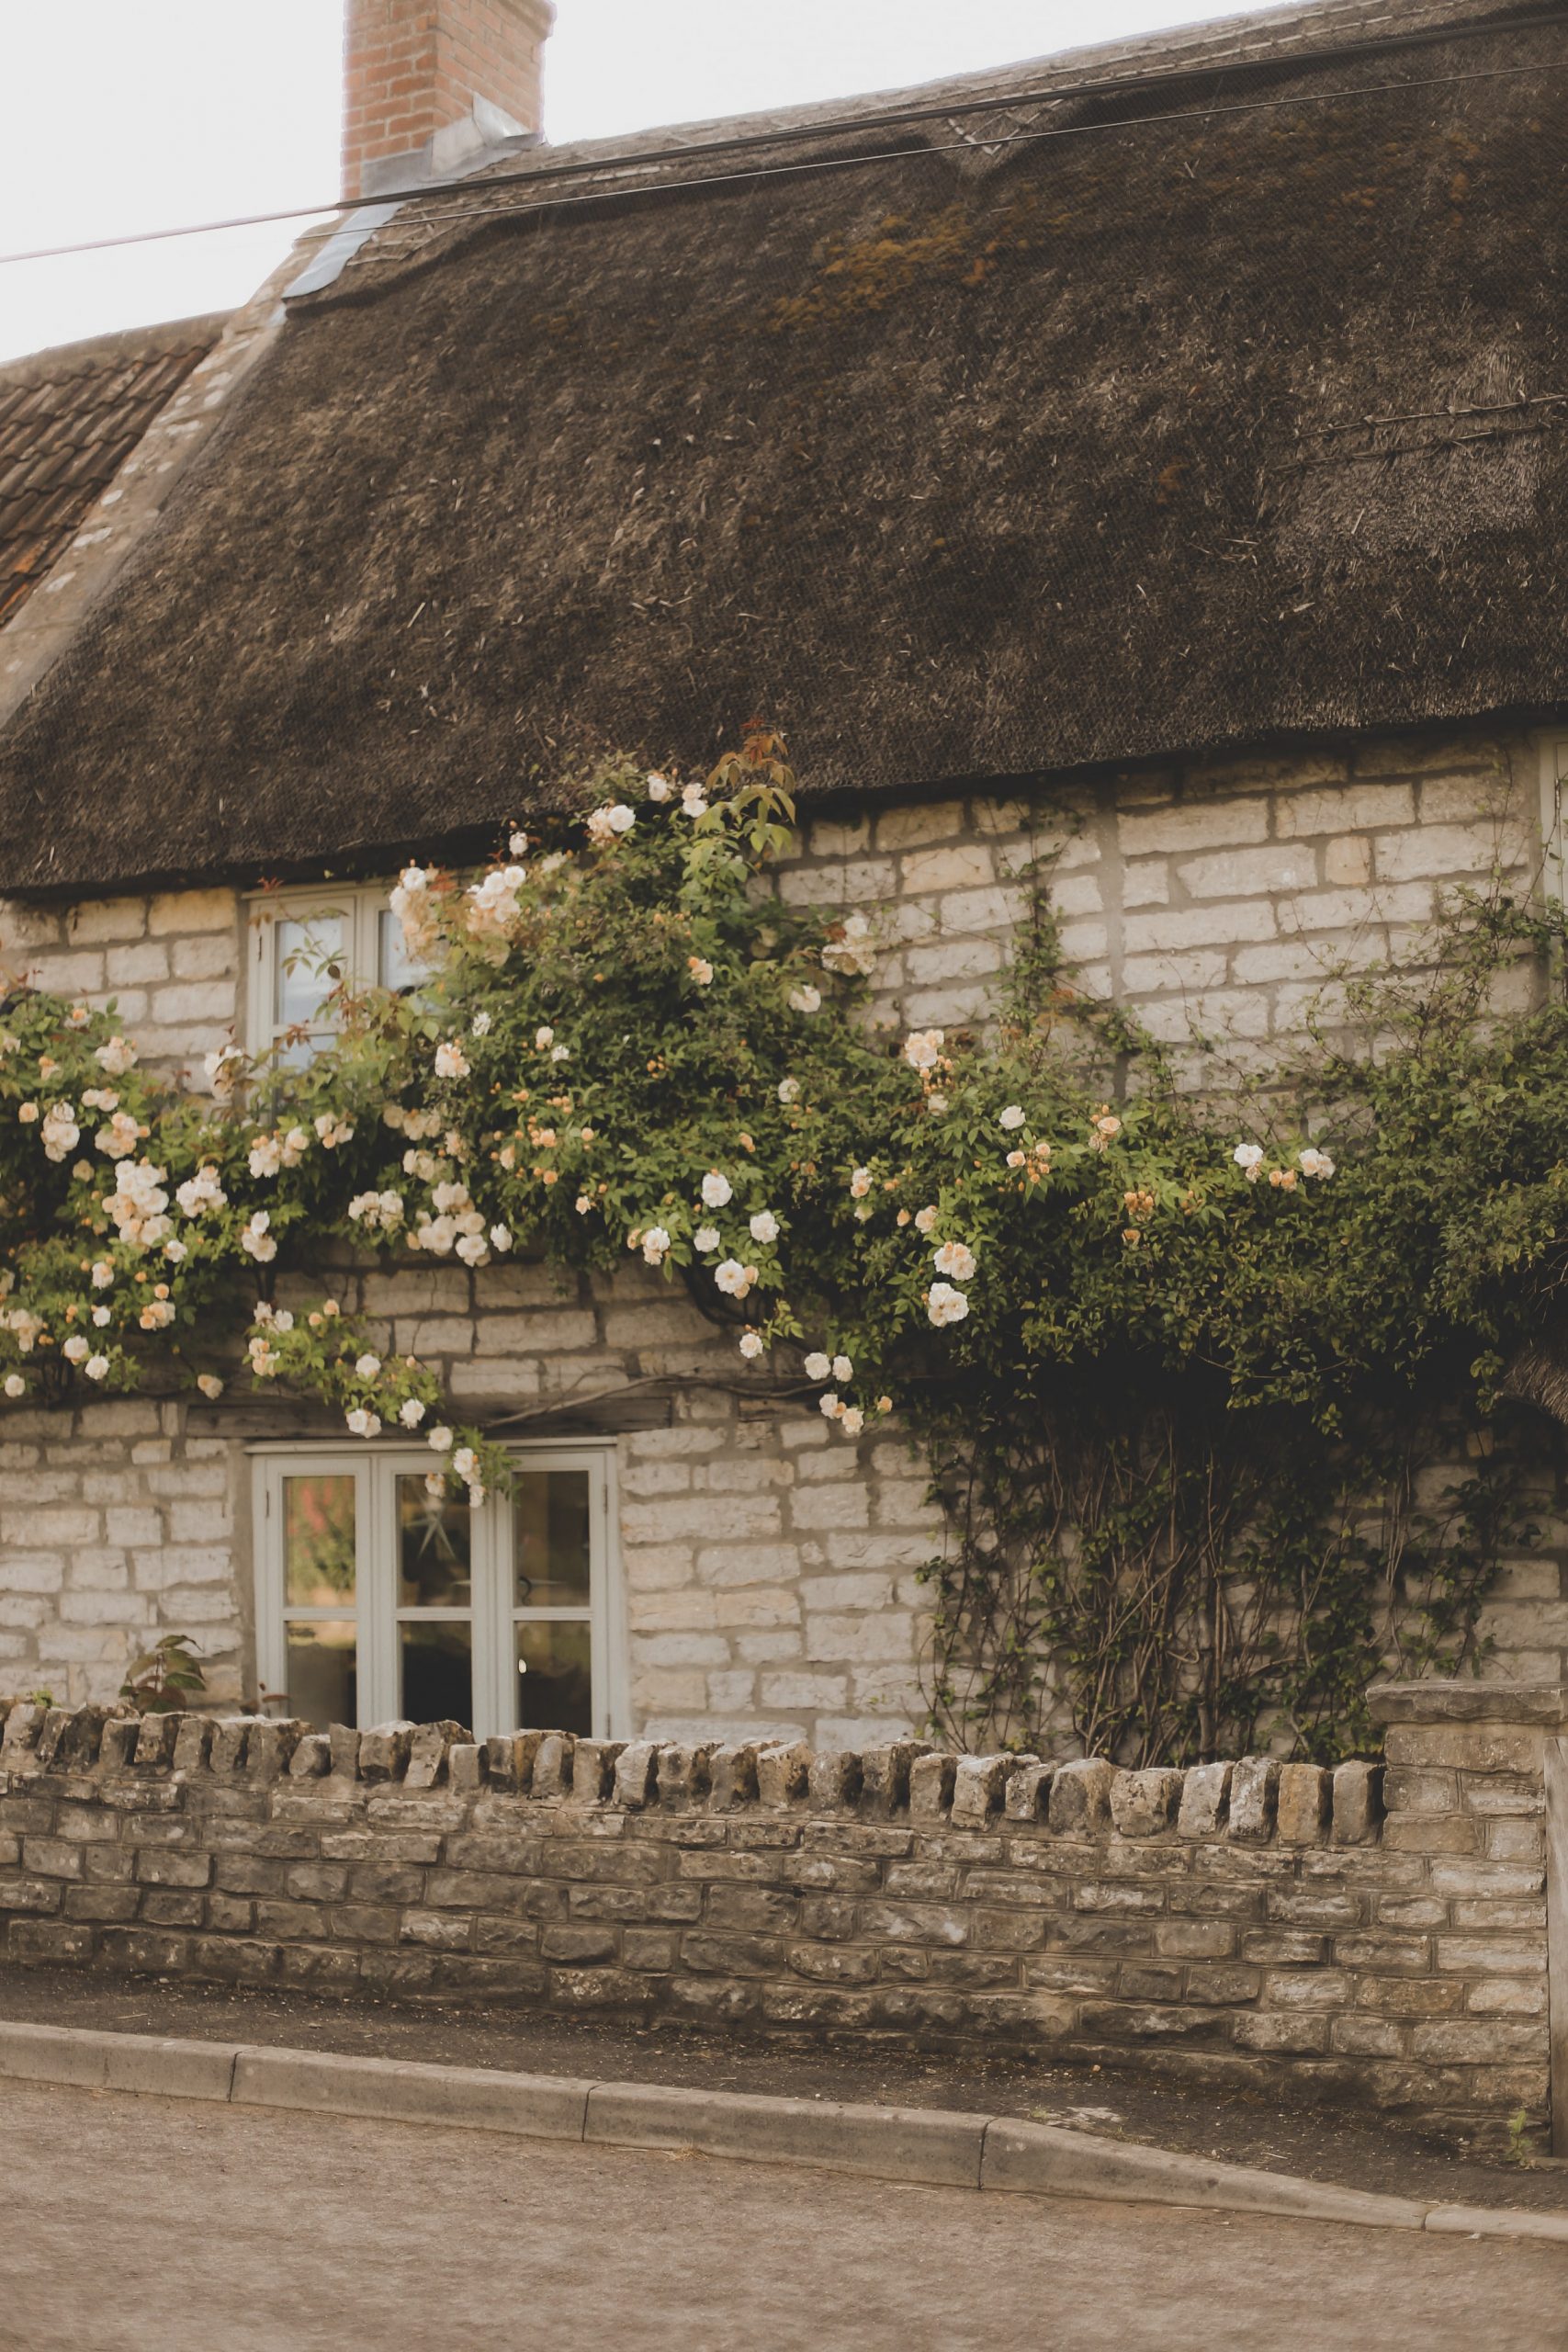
(1352, 1933)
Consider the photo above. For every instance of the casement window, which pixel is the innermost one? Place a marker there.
(379, 1602)
(302, 943)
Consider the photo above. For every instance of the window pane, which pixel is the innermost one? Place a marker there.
(436, 1664)
(555, 1678)
(323, 1678)
(308, 953)
(318, 1541)
(434, 1549)
(395, 967)
(550, 1526)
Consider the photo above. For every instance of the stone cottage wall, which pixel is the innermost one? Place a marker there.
(1241, 1924)
(769, 1569)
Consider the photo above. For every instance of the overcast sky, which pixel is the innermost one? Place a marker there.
(125, 115)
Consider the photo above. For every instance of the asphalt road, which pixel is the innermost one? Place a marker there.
(126, 2222)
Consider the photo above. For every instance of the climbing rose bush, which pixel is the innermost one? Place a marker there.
(626, 1048)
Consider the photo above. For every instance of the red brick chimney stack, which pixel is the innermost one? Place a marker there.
(428, 83)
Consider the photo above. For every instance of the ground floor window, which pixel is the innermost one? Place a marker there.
(378, 1600)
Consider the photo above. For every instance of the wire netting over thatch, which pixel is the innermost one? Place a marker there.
(974, 461)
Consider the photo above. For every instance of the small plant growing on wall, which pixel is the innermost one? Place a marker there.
(1186, 1373)
(165, 1676)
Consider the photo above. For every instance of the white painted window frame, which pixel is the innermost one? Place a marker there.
(375, 1469)
(1554, 814)
(361, 905)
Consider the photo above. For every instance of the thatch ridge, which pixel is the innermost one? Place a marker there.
(960, 475)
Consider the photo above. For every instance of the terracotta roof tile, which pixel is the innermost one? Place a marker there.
(68, 421)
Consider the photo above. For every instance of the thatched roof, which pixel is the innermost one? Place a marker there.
(69, 419)
(1234, 412)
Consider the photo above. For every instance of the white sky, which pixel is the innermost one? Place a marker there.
(126, 115)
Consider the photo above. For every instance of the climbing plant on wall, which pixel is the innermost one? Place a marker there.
(1188, 1372)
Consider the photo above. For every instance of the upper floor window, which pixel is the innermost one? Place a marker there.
(378, 1600)
(304, 944)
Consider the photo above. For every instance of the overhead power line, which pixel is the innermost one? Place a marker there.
(543, 176)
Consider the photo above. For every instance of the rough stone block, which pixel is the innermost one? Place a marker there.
(270, 1746)
(931, 1780)
(23, 1726)
(427, 1754)
(553, 1765)
(782, 1772)
(157, 1736)
(384, 1752)
(193, 1743)
(1205, 1800)
(637, 1776)
(978, 1787)
(833, 1780)
(1357, 1803)
(1255, 1784)
(1028, 1790)
(885, 1776)
(344, 1742)
(1080, 1797)
(594, 1769)
(1143, 1805)
(732, 1778)
(1302, 1811)
(311, 1758)
(117, 1747)
(683, 1773)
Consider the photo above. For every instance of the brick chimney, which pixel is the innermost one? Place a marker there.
(428, 84)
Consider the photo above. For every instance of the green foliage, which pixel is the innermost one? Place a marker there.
(1187, 1391)
(164, 1676)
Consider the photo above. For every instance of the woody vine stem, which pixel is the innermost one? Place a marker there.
(1185, 1371)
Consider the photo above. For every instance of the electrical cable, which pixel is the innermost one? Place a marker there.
(835, 128)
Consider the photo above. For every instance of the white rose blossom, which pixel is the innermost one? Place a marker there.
(842, 1368)
(734, 1279)
(411, 1412)
(805, 999)
(76, 1349)
(201, 1191)
(60, 1134)
(96, 1367)
(255, 1239)
(817, 1365)
(1248, 1158)
(750, 1345)
(956, 1259)
(480, 1027)
(441, 1440)
(543, 1037)
(451, 1061)
(362, 1421)
(655, 1245)
(852, 1420)
(210, 1385)
(1011, 1117)
(829, 1407)
(717, 1189)
(658, 788)
(1313, 1162)
(764, 1227)
(922, 1047)
(331, 1131)
(945, 1305)
(925, 1220)
(115, 1057)
(789, 1089)
(705, 1238)
(860, 1183)
(15, 1385)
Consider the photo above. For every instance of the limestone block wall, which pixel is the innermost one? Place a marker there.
(1237, 1923)
(170, 962)
(1218, 898)
(769, 1569)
